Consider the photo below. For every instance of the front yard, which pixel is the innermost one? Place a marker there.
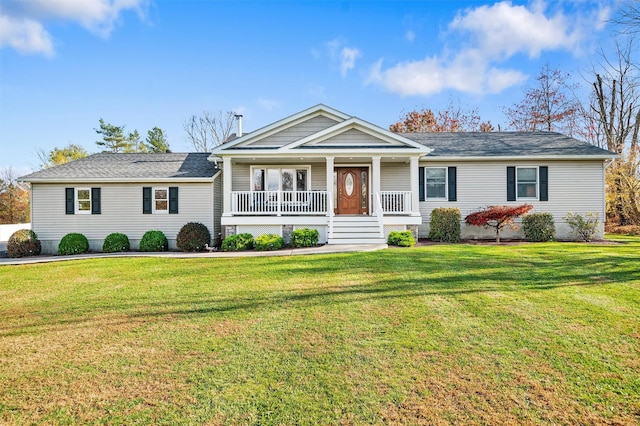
(471, 334)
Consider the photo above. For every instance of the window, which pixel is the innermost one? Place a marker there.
(436, 182)
(160, 200)
(527, 182)
(279, 178)
(82, 200)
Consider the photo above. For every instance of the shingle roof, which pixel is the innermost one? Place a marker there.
(506, 144)
(131, 166)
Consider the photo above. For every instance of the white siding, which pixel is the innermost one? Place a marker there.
(395, 177)
(297, 132)
(318, 177)
(574, 186)
(121, 211)
(353, 137)
(240, 177)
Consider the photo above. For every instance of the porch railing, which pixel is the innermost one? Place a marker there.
(279, 202)
(396, 202)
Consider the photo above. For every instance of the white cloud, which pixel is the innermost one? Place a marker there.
(23, 22)
(348, 56)
(25, 35)
(494, 34)
(344, 55)
(410, 36)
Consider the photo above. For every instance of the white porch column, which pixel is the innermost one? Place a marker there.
(415, 196)
(375, 181)
(329, 183)
(226, 186)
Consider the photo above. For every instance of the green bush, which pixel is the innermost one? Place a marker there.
(115, 242)
(154, 240)
(401, 238)
(304, 237)
(445, 225)
(193, 237)
(583, 228)
(539, 227)
(23, 242)
(73, 243)
(238, 242)
(268, 242)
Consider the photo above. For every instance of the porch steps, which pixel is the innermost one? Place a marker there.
(358, 229)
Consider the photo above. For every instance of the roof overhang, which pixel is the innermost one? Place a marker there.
(522, 158)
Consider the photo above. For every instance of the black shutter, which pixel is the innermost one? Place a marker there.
(69, 200)
(544, 183)
(146, 200)
(511, 183)
(173, 200)
(421, 183)
(451, 176)
(95, 200)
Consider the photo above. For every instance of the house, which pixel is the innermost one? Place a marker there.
(320, 168)
(127, 193)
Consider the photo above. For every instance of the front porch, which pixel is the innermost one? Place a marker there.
(347, 200)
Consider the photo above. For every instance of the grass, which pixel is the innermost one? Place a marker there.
(534, 334)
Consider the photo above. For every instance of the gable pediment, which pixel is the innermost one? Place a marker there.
(320, 129)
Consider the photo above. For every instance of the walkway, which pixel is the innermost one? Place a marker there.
(325, 249)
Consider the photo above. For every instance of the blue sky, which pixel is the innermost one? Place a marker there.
(64, 64)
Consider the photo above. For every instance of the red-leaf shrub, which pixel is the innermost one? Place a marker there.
(497, 217)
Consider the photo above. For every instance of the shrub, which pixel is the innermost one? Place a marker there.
(445, 225)
(622, 230)
(154, 240)
(304, 237)
(115, 242)
(539, 227)
(401, 238)
(238, 242)
(583, 229)
(73, 243)
(193, 237)
(23, 242)
(268, 242)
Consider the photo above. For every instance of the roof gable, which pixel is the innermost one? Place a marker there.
(267, 136)
(354, 134)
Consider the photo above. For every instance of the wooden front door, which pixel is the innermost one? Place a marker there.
(352, 190)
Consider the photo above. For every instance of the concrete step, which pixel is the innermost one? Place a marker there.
(361, 229)
(357, 241)
(363, 235)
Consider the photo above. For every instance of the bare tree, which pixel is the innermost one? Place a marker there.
(549, 105)
(616, 107)
(617, 100)
(629, 17)
(208, 130)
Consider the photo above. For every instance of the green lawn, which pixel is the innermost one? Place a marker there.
(534, 333)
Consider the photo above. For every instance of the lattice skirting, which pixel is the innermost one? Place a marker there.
(389, 228)
(322, 232)
(257, 230)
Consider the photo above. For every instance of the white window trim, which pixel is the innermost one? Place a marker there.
(279, 167)
(446, 185)
(77, 201)
(153, 200)
(537, 184)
